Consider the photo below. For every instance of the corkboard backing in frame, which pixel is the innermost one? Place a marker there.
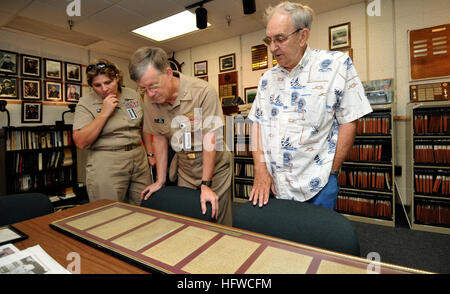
(429, 50)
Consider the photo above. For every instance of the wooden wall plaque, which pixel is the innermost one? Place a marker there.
(429, 51)
(429, 92)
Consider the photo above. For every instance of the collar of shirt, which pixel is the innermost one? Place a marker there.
(300, 66)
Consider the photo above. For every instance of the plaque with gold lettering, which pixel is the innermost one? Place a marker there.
(429, 92)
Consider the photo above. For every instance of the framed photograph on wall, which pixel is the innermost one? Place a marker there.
(52, 69)
(9, 87)
(53, 91)
(201, 68)
(227, 62)
(8, 62)
(31, 112)
(250, 94)
(339, 36)
(31, 89)
(73, 92)
(73, 72)
(31, 66)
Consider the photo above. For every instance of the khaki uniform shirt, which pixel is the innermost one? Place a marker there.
(123, 127)
(196, 111)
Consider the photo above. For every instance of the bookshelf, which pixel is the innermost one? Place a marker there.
(242, 157)
(367, 175)
(38, 159)
(430, 182)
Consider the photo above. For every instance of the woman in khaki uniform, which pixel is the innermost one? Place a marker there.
(108, 123)
(185, 112)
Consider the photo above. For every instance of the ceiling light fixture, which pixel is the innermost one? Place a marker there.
(249, 6)
(201, 14)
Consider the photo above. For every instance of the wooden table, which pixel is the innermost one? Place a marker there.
(144, 235)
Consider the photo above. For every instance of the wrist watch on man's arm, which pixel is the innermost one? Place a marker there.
(206, 183)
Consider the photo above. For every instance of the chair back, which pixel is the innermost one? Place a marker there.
(19, 207)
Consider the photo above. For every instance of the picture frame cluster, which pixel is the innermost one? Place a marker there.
(33, 78)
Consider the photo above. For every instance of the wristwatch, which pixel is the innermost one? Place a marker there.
(335, 172)
(207, 183)
(150, 155)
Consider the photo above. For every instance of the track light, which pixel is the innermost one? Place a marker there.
(201, 15)
(249, 6)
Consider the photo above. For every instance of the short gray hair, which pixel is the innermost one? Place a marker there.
(302, 15)
(145, 56)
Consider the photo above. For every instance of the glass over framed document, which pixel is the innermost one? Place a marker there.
(9, 234)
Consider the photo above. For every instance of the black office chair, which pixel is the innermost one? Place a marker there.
(15, 208)
(179, 200)
(299, 222)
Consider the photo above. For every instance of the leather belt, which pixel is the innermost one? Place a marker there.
(123, 148)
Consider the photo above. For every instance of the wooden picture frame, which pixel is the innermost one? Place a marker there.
(73, 92)
(31, 112)
(54, 91)
(52, 69)
(250, 94)
(9, 87)
(8, 62)
(227, 62)
(73, 72)
(30, 66)
(201, 68)
(339, 36)
(31, 89)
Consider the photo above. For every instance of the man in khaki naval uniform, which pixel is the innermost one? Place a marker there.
(117, 166)
(185, 112)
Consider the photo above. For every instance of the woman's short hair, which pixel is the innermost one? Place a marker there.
(145, 56)
(302, 15)
(103, 66)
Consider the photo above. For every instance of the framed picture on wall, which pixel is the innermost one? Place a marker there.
(31, 66)
(31, 112)
(73, 92)
(250, 94)
(339, 36)
(8, 62)
(31, 89)
(201, 68)
(53, 91)
(227, 62)
(9, 87)
(52, 69)
(73, 72)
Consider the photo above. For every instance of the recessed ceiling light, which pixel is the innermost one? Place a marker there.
(169, 27)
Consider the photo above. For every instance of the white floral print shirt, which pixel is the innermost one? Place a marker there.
(299, 113)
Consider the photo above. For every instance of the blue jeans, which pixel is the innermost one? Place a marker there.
(327, 197)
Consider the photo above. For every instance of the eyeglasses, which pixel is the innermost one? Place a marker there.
(279, 39)
(150, 88)
(99, 66)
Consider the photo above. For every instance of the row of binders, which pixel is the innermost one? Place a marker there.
(32, 162)
(32, 140)
(29, 182)
(432, 213)
(365, 179)
(431, 123)
(373, 126)
(433, 153)
(429, 184)
(242, 190)
(242, 169)
(364, 206)
(366, 152)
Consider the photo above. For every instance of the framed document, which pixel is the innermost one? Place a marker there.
(9, 234)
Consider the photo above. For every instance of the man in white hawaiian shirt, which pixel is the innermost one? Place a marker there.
(304, 115)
